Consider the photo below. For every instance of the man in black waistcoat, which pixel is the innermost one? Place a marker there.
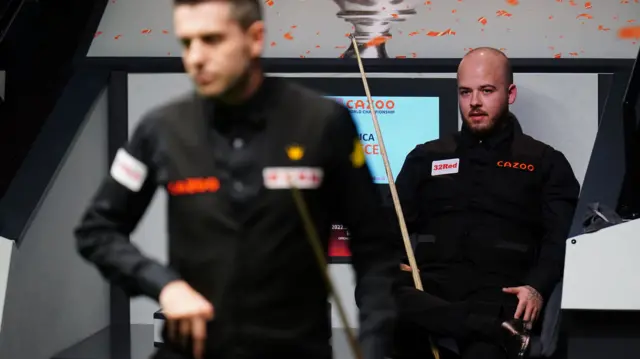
(491, 209)
(242, 280)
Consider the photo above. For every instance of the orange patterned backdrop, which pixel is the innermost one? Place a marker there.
(438, 29)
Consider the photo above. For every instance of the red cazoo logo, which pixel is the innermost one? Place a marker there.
(518, 165)
(364, 105)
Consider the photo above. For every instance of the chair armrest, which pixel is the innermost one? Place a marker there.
(551, 322)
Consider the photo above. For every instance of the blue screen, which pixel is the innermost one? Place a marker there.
(404, 122)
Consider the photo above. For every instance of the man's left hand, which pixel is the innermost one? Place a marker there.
(529, 302)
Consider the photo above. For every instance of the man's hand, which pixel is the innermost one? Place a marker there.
(406, 268)
(187, 313)
(529, 302)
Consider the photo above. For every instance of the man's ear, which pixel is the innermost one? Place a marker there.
(512, 93)
(256, 33)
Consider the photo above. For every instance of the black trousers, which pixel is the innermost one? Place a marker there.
(459, 302)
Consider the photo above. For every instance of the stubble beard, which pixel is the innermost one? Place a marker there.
(495, 122)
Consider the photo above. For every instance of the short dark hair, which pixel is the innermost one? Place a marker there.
(245, 12)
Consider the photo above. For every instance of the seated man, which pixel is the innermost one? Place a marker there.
(492, 208)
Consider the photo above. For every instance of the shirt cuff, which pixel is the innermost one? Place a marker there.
(542, 285)
(154, 277)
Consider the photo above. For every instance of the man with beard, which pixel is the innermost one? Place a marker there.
(242, 280)
(491, 209)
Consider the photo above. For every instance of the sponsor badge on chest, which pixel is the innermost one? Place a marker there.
(292, 177)
(445, 167)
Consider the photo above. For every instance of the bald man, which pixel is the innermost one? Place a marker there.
(490, 208)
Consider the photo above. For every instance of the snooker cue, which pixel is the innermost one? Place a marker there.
(392, 186)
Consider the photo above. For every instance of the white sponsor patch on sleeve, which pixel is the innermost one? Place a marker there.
(128, 171)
